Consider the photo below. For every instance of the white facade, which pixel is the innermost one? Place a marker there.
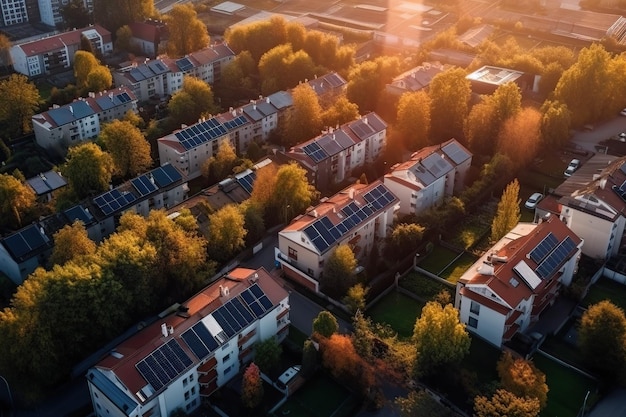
(50, 10)
(13, 12)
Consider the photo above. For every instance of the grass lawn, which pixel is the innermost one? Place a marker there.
(606, 289)
(482, 360)
(398, 311)
(45, 89)
(567, 388)
(423, 286)
(321, 396)
(453, 272)
(438, 259)
(564, 349)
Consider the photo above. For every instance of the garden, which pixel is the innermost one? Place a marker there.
(606, 289)
(397, 310)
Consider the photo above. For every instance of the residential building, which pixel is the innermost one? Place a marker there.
(56, 53)
(331, 157)
(14, 12)
(164, 76)
(189, 148)
(359, 216)
(507, 289)
(432, 173)
(487, 79)
(149, 37)
(61, 127)
(23, 251)
(415, 79)
(592, 202)
(50, 10)
(189, 354)
(328, 87)
(45, 184)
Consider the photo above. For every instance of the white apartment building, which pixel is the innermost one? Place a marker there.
(50, 10)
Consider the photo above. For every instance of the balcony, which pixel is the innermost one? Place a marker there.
(246, 338)
(207, 366)
(207, 378)
(210, 389)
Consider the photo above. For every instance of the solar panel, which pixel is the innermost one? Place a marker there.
(149, 375)
(205, 336)
(164, 364)
(224, 324)
(552, 263)
(314, 151)
(243, 310)
(265, 302)
(124, 97)
(114, 200)
(543, 248)
(78, 213)
(143, 185)
(455, 153)
(247, 181)
(184, 64)
(195, 344)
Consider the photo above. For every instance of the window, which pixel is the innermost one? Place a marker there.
(226, 358)
(191, 377)
(293, 254)
(193, 390)
(475, 308)
(185, 382)
(472, 322)
(186, 395)
(227, 370)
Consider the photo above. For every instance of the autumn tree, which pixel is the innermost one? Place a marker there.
(481, 129)
(341, 359)
(128, 147)
(113, 14)
(5, 51)
(192, 101)
(16, 198)
(253, 221)
(309, 359)
(226, 232)
(221, 165)
(449, 93)
(20, 101)
(440, 338)
(84, 63)
(413, 119)
(257, 37)
(292, 192)
(123, 38)
(508, 213)
(325, 324)
(404, 239)
(267, 354)
(88, 169)
(70, 243)
(356, 297)
(522, 378)
(264, 186)
(520, 137)
(506, 102)
(252, 386)
(506, 404)
(99, 79)
(304, 120)
(339, 273)
(602, 339)
(419, 403)
(281, 68)
(187, 33)
(342, 111)
(368, 79)
(556, 121)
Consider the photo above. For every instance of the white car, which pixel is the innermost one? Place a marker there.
(533, 200)
(571, 168)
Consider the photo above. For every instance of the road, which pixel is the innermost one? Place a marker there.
(613, 404)
(589, 139)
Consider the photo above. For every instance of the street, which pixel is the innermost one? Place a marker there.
(588, 139)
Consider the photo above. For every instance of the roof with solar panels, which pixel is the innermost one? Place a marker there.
(331, 220)
(149, 361)
(197, 134)
(525, 260)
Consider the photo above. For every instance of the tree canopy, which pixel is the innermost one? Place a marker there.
(70, 243)
(226, 232)
(325, 324)
(187, 33)
(20, 101)
(192, 101)
(84, 63)
(508, 213)
(506, 404)
(304, 121)
(75, 14)
(338, 273)
(267, 354)
(112, 14)
(368, 79)
(282, 68)
(16, 198)
(252, 386)
(88, 169)
(413, 120)
(522, 378)
(449, 93)
(128, 148)
(520, 137)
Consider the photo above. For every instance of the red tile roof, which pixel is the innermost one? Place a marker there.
(59, 41)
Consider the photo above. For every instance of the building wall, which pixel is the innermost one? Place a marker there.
(9, 267)
(596, 232)
(406, 195)
(190, 162)
(490, 323)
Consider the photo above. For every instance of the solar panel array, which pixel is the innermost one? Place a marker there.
(113, 201)
(143, 185)
(236, 122)
(166, 175)
(184, 64)
(164, 364)
(200, 133)
(124, 97)
(247, 181)
(323, 234)
(361, 129)
(455, 152)
(315, 152)
(553, 261)
(78, 213)
(233, 316)
(25, 241)
(543, 248)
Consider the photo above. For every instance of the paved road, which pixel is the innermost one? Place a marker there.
(589, 139)
(613, 405)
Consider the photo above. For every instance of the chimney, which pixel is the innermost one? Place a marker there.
(224, 291)
(71, 110)
(351, 193)
(164, 331)
(485, 269)
(314, 213)
(365, 120)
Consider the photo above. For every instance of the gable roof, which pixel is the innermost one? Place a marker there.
(46, 182)
(61, 40)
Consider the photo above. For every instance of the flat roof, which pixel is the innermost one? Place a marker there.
(494, 75)
(228, 7)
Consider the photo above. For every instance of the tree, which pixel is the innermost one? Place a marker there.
(123, 38)
(602, 339)
(413, 119)
(281, 68)
(522, 378)
(264, 186)
(88, 169)
(342, 111)
(309, 359)
(450, 93)
(15, 199)
(20, 100)
(5, 51)
(187, 32)
(404, 239)
(368, 79)
(253, 221)
(362, 336)
(439, 337)
(304, 121)
(555, 124)
(481, 129)
(292, 192)
(356, 297)
(505, 404)
(192, 101)
(338, 273)
(226, 232)
(221, 165)
(252, 386)
(420, 403)
(99, 79)
(84, 63)
(75, 15)
(257, 37)
(128, 148)
(507, 102)
(508, 213)
(339, 356)
(112, 14)
(70, 243)
(325, 324)
(267, 354)
(520, 137)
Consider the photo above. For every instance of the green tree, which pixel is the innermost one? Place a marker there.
(70, 243)
(342, 111)
(253, 221)
(508, 213)
(450, 93)
(187, 33)
(356, 297)
(362, 335)
(304, 121)
(309, 359)
(420, 403)
(507, 102)
(128, 148)
(84, 63)
(252, 387)
(522, 378)
(368, 79)
(506, 404)
(267, 355)
(226, 232)
(281, 68)
(88, 169)
(440, 338)
(292, 193)
(221, 165)
(404, 239)
(602, 339)
(413, 119)
(20, 100)
(191, 102)
(113, 14)
(16, 198)
(338, 273)
(555, 124)
(325, 324)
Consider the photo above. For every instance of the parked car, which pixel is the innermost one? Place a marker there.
(533, 200)
(622, 137)
(623, 112)
(571, 168)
